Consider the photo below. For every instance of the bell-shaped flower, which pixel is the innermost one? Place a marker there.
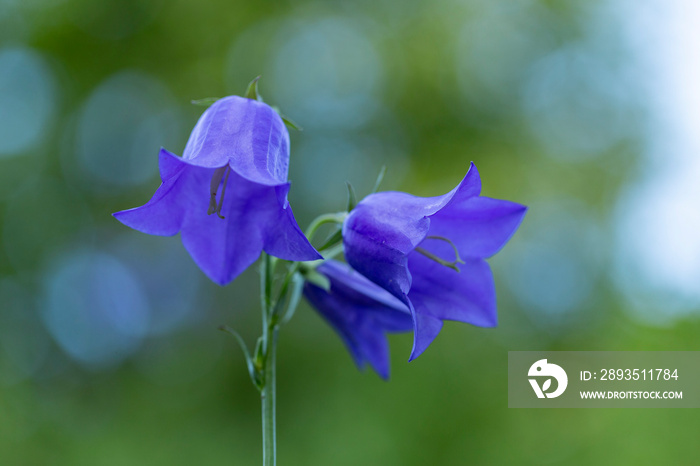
(361, 312)
(227, 195)
(429, 252)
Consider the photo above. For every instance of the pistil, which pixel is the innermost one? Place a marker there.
(439, 260)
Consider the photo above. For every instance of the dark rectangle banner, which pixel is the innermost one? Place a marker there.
(604, 379)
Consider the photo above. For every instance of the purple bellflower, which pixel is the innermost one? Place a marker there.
(429, 252)
(234, 166)
(361, 312)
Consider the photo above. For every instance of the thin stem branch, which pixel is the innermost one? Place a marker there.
(323, 220)
(284, 289)
(297, 287)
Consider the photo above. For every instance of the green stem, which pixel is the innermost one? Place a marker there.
(268, 364)
(268, 395)
(284, 288)
(321, 220)
(265, 362)
(329, 254)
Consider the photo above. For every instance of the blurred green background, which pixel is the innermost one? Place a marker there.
(585, 111)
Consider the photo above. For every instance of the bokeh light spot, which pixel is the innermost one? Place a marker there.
(28, 96)
(494, 49)
(328, 162)
(576, 105)
(553, 264)
(94, 307)
(658, 246)
(168, 276)
(121, 128)
(328, 72)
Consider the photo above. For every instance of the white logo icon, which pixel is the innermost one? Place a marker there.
(543, 369)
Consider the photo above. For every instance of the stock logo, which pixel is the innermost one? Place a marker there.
(542, 369)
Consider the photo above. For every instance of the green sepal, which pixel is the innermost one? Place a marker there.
(252, 91)
(380, 178)
(333, 239)
(259, 360)
(279, 305)
(291, 123)
(315, 278)
(206, 102)
(252, 372)
(287, 121)
(295, 296)
(352, 197)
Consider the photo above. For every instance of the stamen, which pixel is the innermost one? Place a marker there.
(223, 191)
(214, 186)
(439, 260)
(212, 204)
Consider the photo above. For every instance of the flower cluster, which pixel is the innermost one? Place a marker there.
(412, 262)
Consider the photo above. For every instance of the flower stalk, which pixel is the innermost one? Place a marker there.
(267, 364)
(268, 395)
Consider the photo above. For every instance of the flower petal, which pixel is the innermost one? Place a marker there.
(360, 312)
(466, 296)
(284, 239)
(381, 230)
(479, 226)
(469, 187)
(379, 262)
(439, 293)
(247, 134)
(162, 215)
(252, 212)
(425, 329)
(349, 282)
(255, 217)
(386, 226)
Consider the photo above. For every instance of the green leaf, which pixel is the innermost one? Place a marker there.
(252, 91)
(380, 178)
(249, 361)
(352, 198)
(315, 278)
(206, 102)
